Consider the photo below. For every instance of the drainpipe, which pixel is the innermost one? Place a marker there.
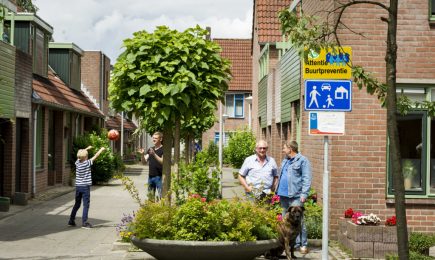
(35, 126)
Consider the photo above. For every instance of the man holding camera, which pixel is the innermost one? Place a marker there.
(154, 156)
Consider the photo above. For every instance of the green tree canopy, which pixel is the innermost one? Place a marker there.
(168, 77)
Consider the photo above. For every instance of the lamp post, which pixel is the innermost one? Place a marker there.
(249, 101)
(222, 118)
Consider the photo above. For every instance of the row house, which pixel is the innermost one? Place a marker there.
(236, 109)
(358, 161)
(42, 108)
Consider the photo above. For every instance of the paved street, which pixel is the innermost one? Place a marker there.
(39, 230)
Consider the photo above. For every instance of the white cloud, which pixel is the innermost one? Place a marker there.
(104, 24)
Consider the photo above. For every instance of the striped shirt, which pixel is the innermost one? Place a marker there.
(83, 173)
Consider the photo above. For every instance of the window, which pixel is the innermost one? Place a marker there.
(432, 9)
(234, 105)
(40, 53)
(264, 62)
(417, 146)
(39, 137)
(225, 140)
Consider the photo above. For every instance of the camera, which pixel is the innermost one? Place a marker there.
(149, 150)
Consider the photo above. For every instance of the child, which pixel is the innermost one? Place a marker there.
(83, 185)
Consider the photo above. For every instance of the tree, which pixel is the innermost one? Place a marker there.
(167, 77)
(308, 34)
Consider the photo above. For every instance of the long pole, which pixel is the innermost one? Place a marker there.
(122, 134)
(325, 215)
(220, 142)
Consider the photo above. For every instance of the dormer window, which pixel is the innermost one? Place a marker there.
(31, 35)
(65, 59)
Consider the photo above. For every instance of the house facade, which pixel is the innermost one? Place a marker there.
(42, 108)
(358, 161)
(237, 108)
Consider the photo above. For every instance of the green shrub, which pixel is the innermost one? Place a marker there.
(106, 165)
(197, 219)
(412, 255)
(313, 220)
(240, 146)
(212, 153)
(420, 243)
(198, 177)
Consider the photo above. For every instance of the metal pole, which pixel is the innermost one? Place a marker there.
(250, 115)
(122, 134)
(325, 215)
(220, 142)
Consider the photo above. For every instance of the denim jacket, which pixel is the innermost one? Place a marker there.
(299, 180)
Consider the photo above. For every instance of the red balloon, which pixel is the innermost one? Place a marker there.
(113, 135)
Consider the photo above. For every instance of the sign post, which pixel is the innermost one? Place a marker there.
(328, 93)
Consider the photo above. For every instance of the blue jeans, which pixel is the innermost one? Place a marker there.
(286, 202)
(82, 192)
(154, 186)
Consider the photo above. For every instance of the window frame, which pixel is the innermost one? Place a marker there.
(425, 171)
(235, 97)
(432, 11)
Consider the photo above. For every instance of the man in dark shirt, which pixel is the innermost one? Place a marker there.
(154, 156)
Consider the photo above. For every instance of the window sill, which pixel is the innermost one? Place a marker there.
(422, 201)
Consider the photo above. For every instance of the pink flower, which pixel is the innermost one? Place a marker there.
(275, 199)
(195, 196)
(203, 199)
(279, 217)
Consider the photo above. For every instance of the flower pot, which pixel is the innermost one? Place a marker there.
(5, 202)
(204, 250)
(408, 183)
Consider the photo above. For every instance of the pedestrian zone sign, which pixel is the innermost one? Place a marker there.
(328, 95)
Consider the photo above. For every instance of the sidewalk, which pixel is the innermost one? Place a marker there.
(39, 230)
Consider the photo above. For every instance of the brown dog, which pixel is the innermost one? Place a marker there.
(289, 229)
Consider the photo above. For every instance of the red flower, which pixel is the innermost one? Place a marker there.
(275, 199)
(203, 199)
(348, 213)
(391, 221)
(279, 217)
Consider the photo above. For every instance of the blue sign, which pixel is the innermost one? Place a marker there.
(328, 95)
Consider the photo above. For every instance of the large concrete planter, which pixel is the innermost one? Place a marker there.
(5, 202)
(204, 250)
(367, 241)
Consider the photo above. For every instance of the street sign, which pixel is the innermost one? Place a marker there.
(328, 95)
(329, 64)
(326, 123)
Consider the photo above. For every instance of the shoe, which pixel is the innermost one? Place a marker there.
(71, 223)
(87, 225)
(303, 250)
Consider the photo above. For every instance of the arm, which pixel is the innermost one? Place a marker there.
(97, 154)
(245, 185)
(89, 147)
(275, 183)
(306, 180)
(158, 158)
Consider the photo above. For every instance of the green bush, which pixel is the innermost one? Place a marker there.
(198, 177)
(313, 220)
(107, 164)
(212, 153)
(420, 243)
(199, 220)
(240, 146)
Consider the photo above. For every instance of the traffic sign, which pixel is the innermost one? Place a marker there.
(328, 95)
(328, 64)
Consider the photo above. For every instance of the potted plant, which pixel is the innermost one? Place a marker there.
(199, 225)
(5, 202)
(409, 171)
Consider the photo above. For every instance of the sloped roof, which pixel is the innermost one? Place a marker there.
(268, 25)
(238, 51)
(52, 91)
(114, 122)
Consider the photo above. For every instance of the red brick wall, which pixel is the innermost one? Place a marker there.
(357, 160)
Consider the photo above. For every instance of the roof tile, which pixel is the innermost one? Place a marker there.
(268, 24)
(238, 51)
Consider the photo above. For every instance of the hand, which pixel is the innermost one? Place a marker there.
(303, 199)
(151, 151)
(141, 150)
(89, 147)
(103, 148)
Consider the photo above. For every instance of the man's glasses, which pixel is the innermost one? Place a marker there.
(262, 148)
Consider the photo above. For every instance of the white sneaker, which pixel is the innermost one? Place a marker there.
(303, 250)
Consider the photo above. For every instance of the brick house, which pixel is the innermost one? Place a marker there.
(358, 161)
(42, 110)
(236, 106)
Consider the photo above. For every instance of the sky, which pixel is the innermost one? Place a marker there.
(104, 24)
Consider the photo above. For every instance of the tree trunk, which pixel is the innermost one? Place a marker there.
(177, 147)
(167, 156)
(394, 144)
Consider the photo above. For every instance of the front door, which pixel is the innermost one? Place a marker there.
(51, 146)
(18, 160)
